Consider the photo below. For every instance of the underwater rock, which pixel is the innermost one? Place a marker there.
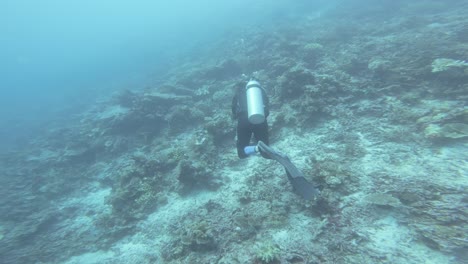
(312, 52)
(450, 130)
(443, 64)
(228, 68)
(445, 112)
(442, 223)
(198, 236)
(176, 90)
(146, 113)
(154, 102)
(179, 118)
(294, 81)
(437, 214)
(193, 176)
(246, 226)
(266, 252)
(139, 188)
(126, 98)
(447, 121)
(202, 146)
(380, 67)
(382, 199)
(219, 127)
(452, 72)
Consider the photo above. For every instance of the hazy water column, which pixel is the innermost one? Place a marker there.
(57, 55)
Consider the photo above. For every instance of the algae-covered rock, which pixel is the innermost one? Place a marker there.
(445, 112)
(379, 65)
(443, 64)
(294, 81)
(437, 215)
(194, 176)
(440, 220)
(313, 46)
(382, 199)
(450, 130)
(139, 187)
(266, 252)
(219, 126)
(198, 236)
(312, 51)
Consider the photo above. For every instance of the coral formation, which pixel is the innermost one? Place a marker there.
(383, 199)
(450, 130)
(198, 236)
(195, 176)
(440, 65)
(266, 252)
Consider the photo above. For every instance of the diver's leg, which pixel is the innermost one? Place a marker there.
(261, 134)
(243, 137)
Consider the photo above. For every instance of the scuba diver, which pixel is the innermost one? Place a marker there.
(250, 106)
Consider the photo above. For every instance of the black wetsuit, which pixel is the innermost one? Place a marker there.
(245, 129)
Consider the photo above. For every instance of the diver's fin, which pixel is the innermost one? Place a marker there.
(304, 188)
(301, 186)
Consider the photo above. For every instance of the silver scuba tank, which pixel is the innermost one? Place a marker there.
(255, 105)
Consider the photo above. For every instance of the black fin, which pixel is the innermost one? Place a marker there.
(304, 188)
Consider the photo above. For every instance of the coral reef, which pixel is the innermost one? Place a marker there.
(440, 65)
(195, 176)
(266, 252)
(383, 199)
(364, 100)
(198, 236)
(450, 130)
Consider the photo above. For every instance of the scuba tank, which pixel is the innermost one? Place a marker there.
(255, 105)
